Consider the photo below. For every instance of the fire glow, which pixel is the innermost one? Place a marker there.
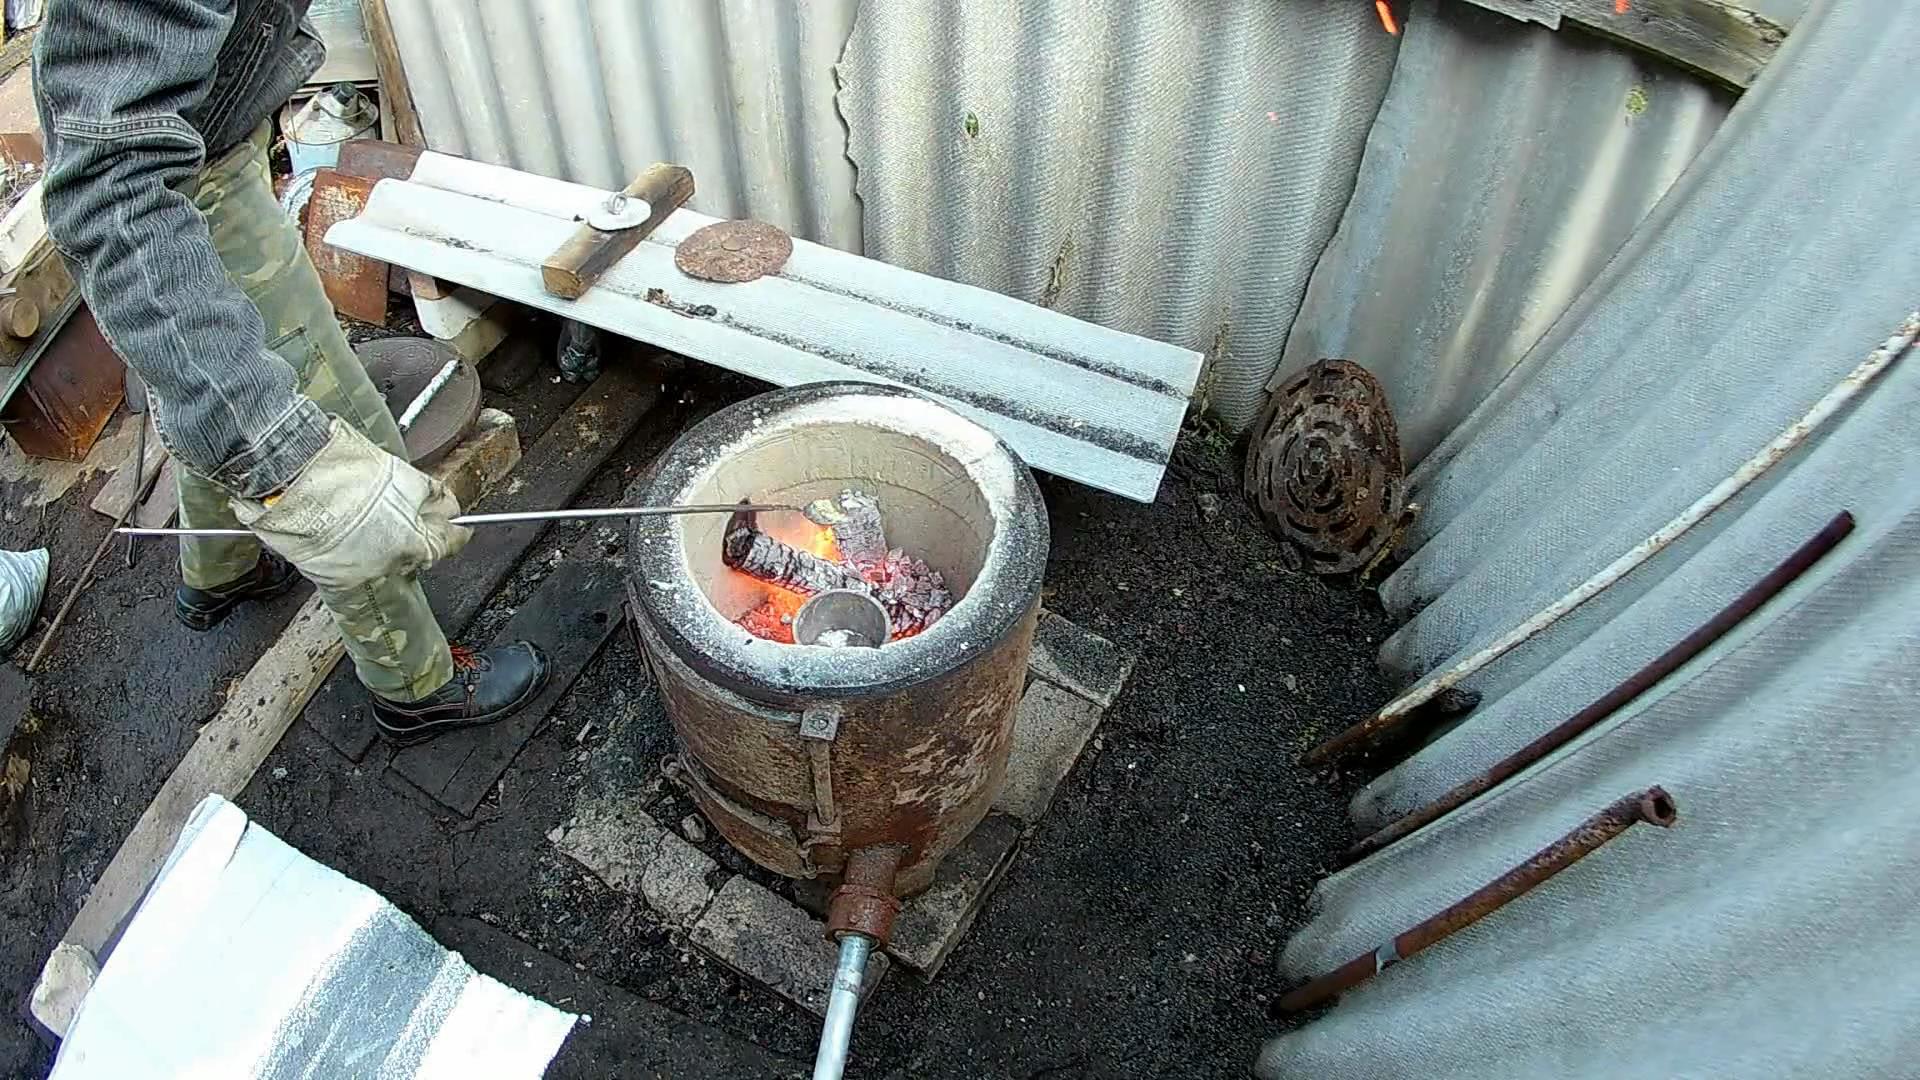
(808, 557)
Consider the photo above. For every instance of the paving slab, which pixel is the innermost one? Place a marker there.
(619, 1034)
(633, 853)
(1049, 732)
(932, 924)
(762, 937)
(1079, 660)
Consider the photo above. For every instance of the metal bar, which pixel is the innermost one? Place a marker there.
(1394, 714)
(1652, 806)
(836, 1037)
(1636, 684)
(517, 516)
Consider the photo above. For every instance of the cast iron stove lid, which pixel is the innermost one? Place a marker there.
(1006, 588)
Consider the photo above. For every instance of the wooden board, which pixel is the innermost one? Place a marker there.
(554, 471)
(119, 490)
(356, 284)
(259, 709)
(1721, 41)
(573, 267)
(571, 615)
(395, 96)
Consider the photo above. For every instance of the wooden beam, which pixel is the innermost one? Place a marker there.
(258, 712)
(1719, 41)
(573, 268)
(393, 74)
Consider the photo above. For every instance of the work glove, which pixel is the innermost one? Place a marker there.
(357, 514)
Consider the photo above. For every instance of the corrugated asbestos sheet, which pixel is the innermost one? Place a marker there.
(1171, 168)
(593, 91)
(1773, 932)
(1508, 164)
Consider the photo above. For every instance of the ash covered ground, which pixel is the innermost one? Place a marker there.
(1134, 935)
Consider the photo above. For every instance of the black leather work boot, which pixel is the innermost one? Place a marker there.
(204, 609)
(487, 686)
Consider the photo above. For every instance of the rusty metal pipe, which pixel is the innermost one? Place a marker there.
(1653, 806)
(860, 916)
(1636, 684)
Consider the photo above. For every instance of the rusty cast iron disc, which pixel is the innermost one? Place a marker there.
(733, 251)
(1324, 467)
(400, 368)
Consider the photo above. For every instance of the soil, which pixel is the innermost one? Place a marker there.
(1134, 935)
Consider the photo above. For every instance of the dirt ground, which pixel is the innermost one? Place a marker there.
(1135, 934)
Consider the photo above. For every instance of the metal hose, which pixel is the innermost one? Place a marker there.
(836, 1038)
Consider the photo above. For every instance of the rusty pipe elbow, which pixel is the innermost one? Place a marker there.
(865, 902)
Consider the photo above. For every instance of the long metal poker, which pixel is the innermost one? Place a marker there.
(519, 516)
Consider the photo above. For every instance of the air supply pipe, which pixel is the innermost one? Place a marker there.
(860, 916)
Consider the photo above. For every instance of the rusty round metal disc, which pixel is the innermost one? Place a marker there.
(1324, 467)
(401, 367)
(733, 251)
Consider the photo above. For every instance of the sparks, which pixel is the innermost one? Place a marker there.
(1386, 15)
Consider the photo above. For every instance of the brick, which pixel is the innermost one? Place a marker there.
(1049, 732)
(634, 854)
(762, 937)
(675, 883)
(933, 923)
(1079, 661)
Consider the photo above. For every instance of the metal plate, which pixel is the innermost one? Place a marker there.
(401, 367)
(1324, 467)
(733, 251)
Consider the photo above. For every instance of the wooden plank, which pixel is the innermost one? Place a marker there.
(571, 615)
(574, 266)
(258, 711)
(396, 96)
(1720, 41)
(356, 284)
(119, 490)
(553, 472)
(161, 502)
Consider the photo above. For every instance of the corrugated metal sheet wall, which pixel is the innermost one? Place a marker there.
(1508, 164)
(593, 91)
(1171, 168)
(1773, 932)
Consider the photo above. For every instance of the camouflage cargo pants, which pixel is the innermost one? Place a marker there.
(396, 644)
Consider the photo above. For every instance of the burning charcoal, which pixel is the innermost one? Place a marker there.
(754, 553)
(855, 520)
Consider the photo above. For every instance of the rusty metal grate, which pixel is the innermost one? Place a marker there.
(1324, 467)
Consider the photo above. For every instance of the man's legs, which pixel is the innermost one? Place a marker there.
(397, 647)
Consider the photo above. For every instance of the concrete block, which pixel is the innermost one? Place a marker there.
(1050, 730)
(64, 982)
(932, 924)
(762, 937)
(1079, 660)
(675, 882)
(626, 848)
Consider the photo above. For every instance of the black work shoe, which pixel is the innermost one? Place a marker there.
(204, 609)
(486, 686)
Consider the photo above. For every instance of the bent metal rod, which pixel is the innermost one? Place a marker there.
(517, 517)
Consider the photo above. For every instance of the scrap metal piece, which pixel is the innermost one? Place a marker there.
(1324, 467)
(733, 251)
(404, 369)
(1653, 806)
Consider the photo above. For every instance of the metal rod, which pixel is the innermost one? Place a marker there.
(1653, 806)
(836, 1037)
(518, 516)
(80, 584)
(1636, 684)
(1395, 713)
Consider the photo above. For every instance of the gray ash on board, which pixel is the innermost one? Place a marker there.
(850, 552)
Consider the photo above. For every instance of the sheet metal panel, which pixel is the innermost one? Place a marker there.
(593, 91)
(1171, 168)
(1073, 398)
(1772, 933)
(1508, 164)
